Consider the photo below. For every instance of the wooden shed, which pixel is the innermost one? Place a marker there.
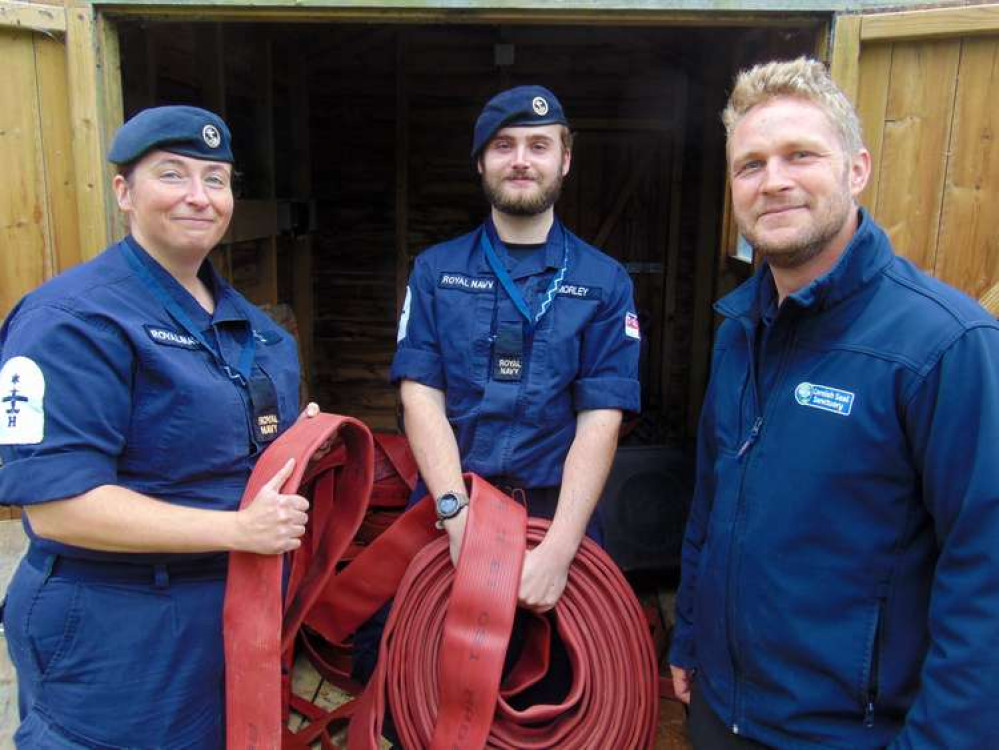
(352, 122)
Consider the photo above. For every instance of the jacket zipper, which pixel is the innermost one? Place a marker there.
(744, 449)
(874, 663)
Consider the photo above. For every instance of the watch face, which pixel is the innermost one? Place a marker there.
(447, 506)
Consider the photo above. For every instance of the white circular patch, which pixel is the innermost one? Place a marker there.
(211, 136)
(404, 318)
(803, 393)
(540, 106)
(22, 399)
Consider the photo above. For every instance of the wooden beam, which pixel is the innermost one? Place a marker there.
(597, 11)
(401, 173)
(47, 19)
(112, 110)
(845, 63)
(932, 23)
(84, 58)
(302, 267)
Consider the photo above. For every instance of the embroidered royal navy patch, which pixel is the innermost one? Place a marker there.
(465, 283)
(22, 402)
(166, 337)
(824, 397)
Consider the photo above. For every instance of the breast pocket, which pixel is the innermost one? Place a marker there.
(464, 323)
(189, 419)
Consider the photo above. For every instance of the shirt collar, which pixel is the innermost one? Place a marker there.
(549, 258)
(865, 256)
(227, 309)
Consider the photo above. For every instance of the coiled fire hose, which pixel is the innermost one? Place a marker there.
(441, 659)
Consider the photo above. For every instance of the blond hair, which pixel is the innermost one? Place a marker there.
(802, 79)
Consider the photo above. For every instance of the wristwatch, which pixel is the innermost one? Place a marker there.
(448, 506)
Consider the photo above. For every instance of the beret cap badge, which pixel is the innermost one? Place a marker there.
(540, 106)
(211, 135)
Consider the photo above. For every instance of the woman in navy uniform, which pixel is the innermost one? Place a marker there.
(138, 391)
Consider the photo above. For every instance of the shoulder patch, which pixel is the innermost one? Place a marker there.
(22, 396)
(166, 337)
(631, 329)
(404, 317)
(460, 281)
(578, 291)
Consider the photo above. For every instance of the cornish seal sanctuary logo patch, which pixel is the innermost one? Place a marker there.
(824, 397)
(22, 400)
(211, 136)
(540, 106)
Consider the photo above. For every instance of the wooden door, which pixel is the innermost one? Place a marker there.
(54, 192)
(926, 85)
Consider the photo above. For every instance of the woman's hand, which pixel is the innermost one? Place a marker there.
(273, 522)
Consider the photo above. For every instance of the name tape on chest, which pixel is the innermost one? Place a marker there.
(166, 337)
(579, 291)
(465, 283)
(22, 402)
(824, 397)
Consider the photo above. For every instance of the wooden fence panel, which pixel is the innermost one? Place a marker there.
(968, 255)
(24, 220)
(914, 150)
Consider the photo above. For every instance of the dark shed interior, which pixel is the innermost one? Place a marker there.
(353, 145)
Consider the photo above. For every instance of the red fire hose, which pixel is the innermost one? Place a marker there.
(443, 649)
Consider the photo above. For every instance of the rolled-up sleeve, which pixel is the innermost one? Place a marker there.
(77, 375)
(611, 345)
(418, 354)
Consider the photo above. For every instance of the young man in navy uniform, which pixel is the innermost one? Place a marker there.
(518, 346)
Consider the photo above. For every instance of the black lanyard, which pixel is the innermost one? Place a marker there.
(241, 374)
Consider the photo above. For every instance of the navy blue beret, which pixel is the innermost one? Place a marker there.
(179, 129)
(523, 105)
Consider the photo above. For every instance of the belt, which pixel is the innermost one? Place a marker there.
(113, 571)
(442, 653)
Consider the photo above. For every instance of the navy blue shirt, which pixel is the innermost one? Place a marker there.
(582, 354)
(109, 389)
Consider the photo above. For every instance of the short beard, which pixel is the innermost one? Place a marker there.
(523, 205)
(809, 246)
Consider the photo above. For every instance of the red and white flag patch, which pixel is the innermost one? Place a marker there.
(631, 326)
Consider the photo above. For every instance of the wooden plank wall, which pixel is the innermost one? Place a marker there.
(38, 223)
(39, 230)
(930, 119)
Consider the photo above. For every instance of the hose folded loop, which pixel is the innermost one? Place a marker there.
(442, 654)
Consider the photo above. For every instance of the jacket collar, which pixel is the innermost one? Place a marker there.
(865, 256)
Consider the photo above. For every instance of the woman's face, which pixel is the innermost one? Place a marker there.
(178, 207)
